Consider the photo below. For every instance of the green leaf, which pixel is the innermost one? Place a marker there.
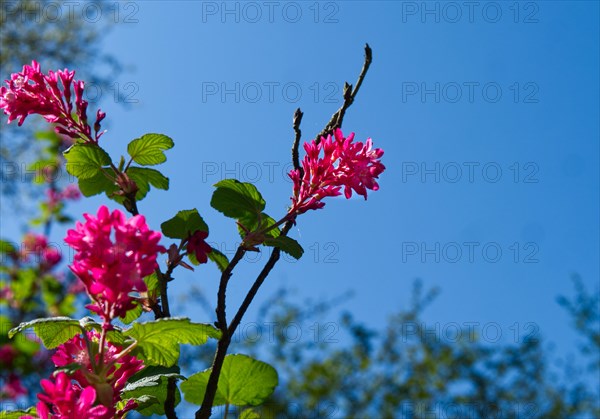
(147, 405)
(268, 221)
(219, 258)
(186, 222)
(84, 161)
(16, 414)
(103, 181)
(52, 331)
(151, 282)
(149, 149)
(249, 414)
(243, 381)
(7, 247)
(151, 176)
(152, 382)
(158, 341)
(142, 184)
(132, 314)
(286, 244)
(237, 200)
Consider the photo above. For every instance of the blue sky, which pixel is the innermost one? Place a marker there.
(488, 118)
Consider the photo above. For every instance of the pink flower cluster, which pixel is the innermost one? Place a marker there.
(345, 163)
(68, 400)
(56, 197)
(12, 388)
(32, 92)
(95, 387)
(112, 268)
(37, 246)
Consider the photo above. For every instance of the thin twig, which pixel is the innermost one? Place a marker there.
(295, 156)
(211, 387)
(222, 294)
(349, 95)
(258, 282)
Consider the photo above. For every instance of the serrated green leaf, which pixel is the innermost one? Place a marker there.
(52, 331)
(219, 258)
(286, 244)
(237, 199)
(100, 182)
(184, 223)
(156, 370)
(153, 391)
(132, 314)
(159, 340)
(16, 414)
(149, 149)
(243, 381)
(142, 184)
(152, 382)
(254, 223)
(151, 282)
(84, 161)
(144, 403)
(152, 176)
(249, 414)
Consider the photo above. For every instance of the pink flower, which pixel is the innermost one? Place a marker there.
(359, 165)
(54, 198)
(33, 244)
(32, 92)
(110, 380)
(344, 163)
(12, 388)
(50, 257)
(198, 246)
(7, 354)
(112, 268)
(63, 399)
(71, 192)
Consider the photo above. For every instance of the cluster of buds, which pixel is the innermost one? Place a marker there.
(95, 387)
(346, 164)
(33, 92)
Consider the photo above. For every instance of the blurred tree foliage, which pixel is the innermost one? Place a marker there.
(410, 370)
(57, 34)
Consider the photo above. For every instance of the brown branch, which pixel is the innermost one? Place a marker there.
(213, 381)
(349, 95)
(258, 282)
(295, 156)
(170, 400)
(222, 294)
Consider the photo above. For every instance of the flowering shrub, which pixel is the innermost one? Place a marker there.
(112, 269)
(104, 370)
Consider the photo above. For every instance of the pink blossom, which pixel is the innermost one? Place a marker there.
(54, 198)
(198, 246)
(50, 257)
(64, 399)
(71, 192)
(13, 388)
(344, 163)
(7, 354)
(359, 165)
(33, 244)
(32, 92)
(112, 268)
(110, 380)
